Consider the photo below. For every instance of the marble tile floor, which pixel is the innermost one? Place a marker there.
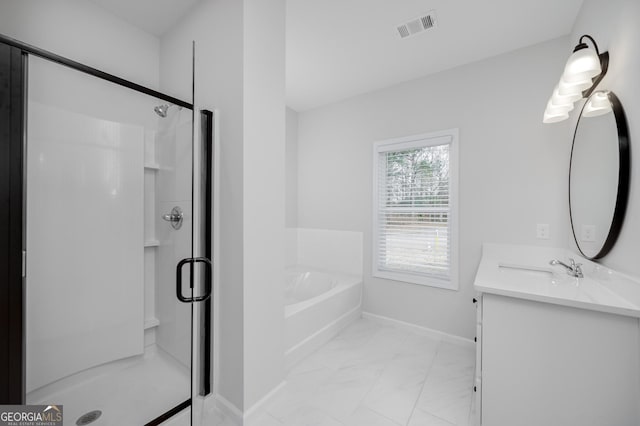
(212, 417)
(377, 375)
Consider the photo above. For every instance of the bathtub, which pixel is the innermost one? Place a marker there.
(318, 304)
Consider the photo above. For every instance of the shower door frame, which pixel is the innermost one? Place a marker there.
(13, 71)
(12, 229)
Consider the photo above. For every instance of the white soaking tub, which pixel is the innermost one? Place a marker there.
(318, 304)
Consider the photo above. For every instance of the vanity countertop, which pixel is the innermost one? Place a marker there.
(501, 272)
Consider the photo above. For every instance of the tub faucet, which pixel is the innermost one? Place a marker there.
(575, 269)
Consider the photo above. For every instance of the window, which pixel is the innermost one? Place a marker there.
(414, 218)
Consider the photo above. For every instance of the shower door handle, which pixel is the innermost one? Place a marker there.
(207, 278)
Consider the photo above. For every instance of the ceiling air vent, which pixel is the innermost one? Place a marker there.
(417, 25)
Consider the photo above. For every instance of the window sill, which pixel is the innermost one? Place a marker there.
(429, 281)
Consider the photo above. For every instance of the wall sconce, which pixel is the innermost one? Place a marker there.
(598, 104)
(585, 68)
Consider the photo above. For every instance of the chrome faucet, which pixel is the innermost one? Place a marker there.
(575, 269)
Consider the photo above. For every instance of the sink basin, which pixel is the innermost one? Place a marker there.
(526, 268)
(524, 272)
(539, 277)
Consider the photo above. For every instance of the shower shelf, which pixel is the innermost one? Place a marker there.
(151, 166)
(151, 243)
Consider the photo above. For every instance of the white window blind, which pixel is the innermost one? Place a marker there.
(413, 217)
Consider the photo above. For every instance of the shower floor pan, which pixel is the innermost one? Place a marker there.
(128, 392)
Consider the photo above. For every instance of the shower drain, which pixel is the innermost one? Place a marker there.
(89, 417)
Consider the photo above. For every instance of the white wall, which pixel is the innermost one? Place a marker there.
(291, 169)
(240, 72)
(84, 32)
(264, 202)
(335, 251)
(614, 26)
(216, 27)
(513, 169)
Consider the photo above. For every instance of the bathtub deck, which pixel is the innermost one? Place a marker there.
(377, 375)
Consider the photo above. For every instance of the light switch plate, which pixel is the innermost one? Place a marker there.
(542, 231)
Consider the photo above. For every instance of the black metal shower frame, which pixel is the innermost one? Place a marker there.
(13, 91)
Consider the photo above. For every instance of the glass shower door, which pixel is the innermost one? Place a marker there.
(109, 216)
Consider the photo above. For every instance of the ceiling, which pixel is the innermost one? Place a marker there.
(153, 16)
(341, 48)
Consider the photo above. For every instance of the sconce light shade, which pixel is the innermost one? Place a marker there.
(551, 118)
(555, 113)
(565, 88)
(583, 71)
(558, 99)
(558, 109)
(582, 66)
(598, 104)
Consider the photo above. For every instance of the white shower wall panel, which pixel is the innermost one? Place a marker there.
(84, 241)
(174, 156)
(174, 333)
(173, 189)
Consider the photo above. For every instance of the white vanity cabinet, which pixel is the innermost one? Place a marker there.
(556, 355)
(545, 364)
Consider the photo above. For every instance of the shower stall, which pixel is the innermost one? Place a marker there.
(107, 300)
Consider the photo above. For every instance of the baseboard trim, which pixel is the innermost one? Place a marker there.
(260, 406)
(236, 415)
(440, 335)
(303, 349)
(228, 408)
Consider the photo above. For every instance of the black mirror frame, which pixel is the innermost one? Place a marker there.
(624, 173)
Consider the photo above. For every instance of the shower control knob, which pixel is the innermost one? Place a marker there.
(175, 217)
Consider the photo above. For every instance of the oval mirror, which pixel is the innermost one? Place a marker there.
(599, 174)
